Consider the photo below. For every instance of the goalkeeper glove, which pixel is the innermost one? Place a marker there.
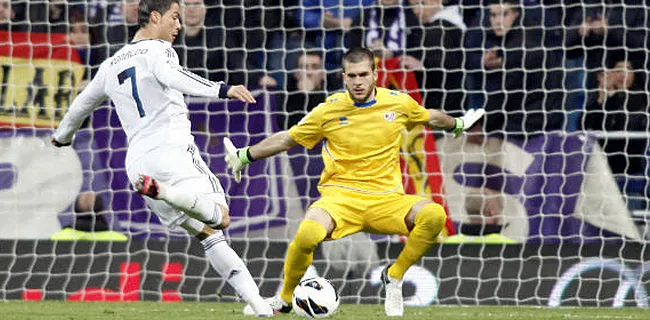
(236, 158)
(467, 121)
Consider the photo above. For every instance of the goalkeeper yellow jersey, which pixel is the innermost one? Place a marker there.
(361, 141)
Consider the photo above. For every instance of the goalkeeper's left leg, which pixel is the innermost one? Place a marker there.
(429, 219)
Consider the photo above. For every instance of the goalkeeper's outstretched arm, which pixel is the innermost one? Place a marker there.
(278, 142)
(441, 120)
(238, 158)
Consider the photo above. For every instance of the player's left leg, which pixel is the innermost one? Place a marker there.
(228, 264)
(425, 220)
(180, 177)
(221, 256)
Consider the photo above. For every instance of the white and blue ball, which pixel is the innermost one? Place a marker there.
(315, 298)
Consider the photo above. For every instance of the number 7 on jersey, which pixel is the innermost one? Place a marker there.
(130, 73)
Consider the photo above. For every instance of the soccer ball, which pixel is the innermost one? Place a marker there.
(315, 298)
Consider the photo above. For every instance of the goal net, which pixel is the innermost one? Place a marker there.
(547, 198)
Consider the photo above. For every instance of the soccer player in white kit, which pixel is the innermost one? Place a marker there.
(146, 84)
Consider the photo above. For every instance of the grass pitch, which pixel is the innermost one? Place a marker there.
(25, 310)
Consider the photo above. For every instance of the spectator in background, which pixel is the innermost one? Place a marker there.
(202, 49)
(246, 39)
(384, 28)
(122, 25)
(306, 89)
(307, 86)
(89, 222)
(280, 36)
(591, 27)
(254, 40)
(79, 36)
(521, 79)
(7, 14)
(325, 22)
(12, 16)
(51, 16)
(609, 24)
(620, 103)
(442, 29)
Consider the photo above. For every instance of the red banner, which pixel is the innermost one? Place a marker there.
(41, 74)
(421, 165)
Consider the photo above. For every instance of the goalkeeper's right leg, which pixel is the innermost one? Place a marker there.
(299, 257)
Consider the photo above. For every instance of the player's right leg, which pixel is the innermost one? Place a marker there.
(420, 219)
(187, 172)
(179, 176)
(300, 254)
(203, 207)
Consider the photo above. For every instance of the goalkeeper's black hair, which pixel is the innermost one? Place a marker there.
(146, 7)
(356, 55)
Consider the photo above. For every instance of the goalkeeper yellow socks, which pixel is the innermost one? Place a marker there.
(300, 255)
(428, 223)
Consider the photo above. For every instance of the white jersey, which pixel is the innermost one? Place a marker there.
(146, 84)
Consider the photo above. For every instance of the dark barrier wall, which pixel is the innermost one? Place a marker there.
(450, 274)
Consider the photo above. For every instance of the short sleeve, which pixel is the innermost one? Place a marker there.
(417, 114)
(309, 131)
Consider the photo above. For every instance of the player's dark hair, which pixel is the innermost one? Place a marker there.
(313, 52)
(146, 7)
(356, 55)
(514, 4)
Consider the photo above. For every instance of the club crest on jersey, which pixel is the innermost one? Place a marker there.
(343, 121)
(389, 116)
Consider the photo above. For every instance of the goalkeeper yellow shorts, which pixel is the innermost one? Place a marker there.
(373, 213)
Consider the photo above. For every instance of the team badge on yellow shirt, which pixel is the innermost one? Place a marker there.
(389, 116)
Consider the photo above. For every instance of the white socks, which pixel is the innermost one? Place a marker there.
(230, 266)
(199, 206)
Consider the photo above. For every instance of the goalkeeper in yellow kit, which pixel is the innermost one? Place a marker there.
(361, 185)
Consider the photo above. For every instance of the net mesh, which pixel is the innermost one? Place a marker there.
(547, 198)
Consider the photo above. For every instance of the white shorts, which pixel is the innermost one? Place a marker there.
(181, 168)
